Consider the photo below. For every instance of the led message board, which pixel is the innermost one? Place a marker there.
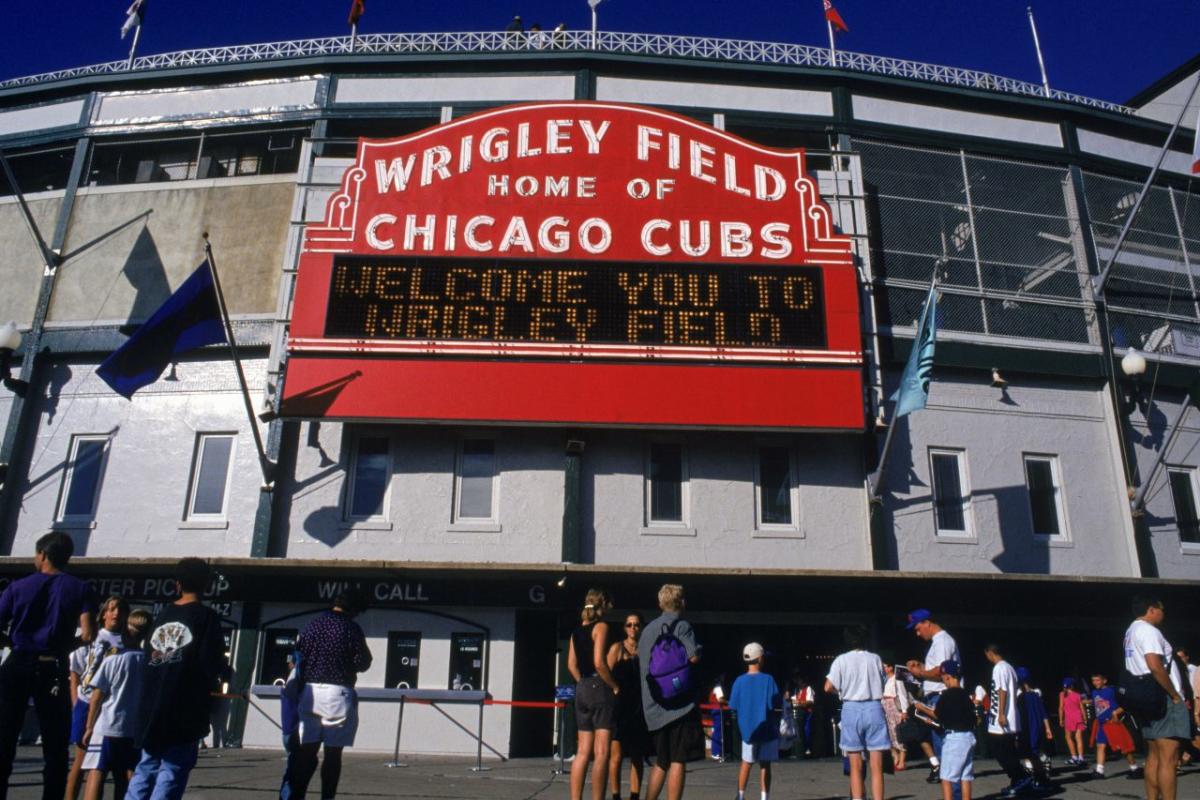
(575, 304)
(577, 263)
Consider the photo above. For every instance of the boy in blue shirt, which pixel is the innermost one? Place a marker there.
(755, 699)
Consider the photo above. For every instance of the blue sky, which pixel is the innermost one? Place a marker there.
(1102, 48)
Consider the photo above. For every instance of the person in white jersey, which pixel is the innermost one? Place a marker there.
(942, 647)
(1147, 652)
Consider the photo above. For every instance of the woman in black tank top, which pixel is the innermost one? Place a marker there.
(595, 694)
(630, 738)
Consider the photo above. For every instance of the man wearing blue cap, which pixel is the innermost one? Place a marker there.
(942, 647)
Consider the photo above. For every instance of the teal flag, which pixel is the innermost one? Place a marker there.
(914, 383)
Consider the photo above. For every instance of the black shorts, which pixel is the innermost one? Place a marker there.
(595, 705)
(680, 741)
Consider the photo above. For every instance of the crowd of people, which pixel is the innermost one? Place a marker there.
(131, 695)
(636, 698)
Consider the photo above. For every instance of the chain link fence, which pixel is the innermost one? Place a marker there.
(1003, 237)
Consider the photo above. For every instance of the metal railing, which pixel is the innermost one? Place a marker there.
(647, 44)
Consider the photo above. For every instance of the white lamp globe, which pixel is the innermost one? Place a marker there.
(1133, 363)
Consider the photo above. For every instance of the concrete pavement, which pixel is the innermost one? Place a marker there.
(254, 775)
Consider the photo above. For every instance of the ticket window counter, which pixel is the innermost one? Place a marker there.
(466, 661)
(403, 660)
(278, 645)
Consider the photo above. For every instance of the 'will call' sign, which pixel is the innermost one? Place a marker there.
(577, 263)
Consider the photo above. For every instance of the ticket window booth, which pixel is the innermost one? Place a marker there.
(403, 660)
(466, 661)
(278, 645)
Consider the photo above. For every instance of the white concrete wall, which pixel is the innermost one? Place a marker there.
(426, 730)
(144, 490)
(418, 524)
(1151, 425)
(995, 430)
(831, 530)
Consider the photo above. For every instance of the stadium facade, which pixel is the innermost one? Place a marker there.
(475, 474)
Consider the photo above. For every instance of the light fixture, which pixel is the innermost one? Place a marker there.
(10, 340)
(998, 379)
(881, 419)
(561, 582)
(1133, 363)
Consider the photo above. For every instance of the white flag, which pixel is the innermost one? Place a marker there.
(594, 3)
(133, 17)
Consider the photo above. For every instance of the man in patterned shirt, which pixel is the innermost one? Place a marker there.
(333, 650)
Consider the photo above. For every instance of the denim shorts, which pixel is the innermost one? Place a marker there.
(864, 727)
(1174, 724)
(958, 757)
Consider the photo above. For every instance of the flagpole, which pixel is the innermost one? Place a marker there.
(268, 466)
(875, 479)
(353, 35)
(1100, 280)
(832, 44)
(137, 34)
(595, 28)
(1037, 45)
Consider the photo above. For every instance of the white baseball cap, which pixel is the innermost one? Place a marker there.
(752, 652)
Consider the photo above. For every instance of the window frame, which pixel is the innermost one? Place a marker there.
(791, 529)
(189, 512)
(1193, 475)
(1060, 506)
(349, 518)
(968, 533)
(89, 519)
(490, 523)
(681, 526)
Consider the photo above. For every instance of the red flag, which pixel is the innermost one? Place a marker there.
(834, 18)
(359, 6)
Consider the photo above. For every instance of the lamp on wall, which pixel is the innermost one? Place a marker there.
(10, 340)
(998, 381)
(1133, 364)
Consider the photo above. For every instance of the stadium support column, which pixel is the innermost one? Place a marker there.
(245, 656)
(572, 526)
(20, 415)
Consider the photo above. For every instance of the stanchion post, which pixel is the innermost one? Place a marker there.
(562, 755)
(479, 767)
(395, 762)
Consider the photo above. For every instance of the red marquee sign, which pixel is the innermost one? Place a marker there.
(577, 263)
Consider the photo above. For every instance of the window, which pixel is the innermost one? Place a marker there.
(475, 495)
(370, 474)
(951, 502)
(1183, 492)
(666, 477)
(775, 488)
(210, 476)
(278, 646)
(403, 660)
(209, 155)
(1045, 497)
(81, 481)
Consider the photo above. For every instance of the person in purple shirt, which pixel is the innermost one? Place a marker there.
(333, 650)
(40, 613)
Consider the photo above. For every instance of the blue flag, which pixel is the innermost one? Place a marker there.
(914, 383)
(190, 318)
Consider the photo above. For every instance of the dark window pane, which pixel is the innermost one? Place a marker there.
(475, 484)
(212, 475)
(370, 477)
(1039, 477)
(775, 486)
(666, 483)
(1185, 507)
(85, 478)
(947, 493)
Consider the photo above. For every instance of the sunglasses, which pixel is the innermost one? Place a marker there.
(632, 625)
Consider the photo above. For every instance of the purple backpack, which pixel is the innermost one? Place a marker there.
(669, 671)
